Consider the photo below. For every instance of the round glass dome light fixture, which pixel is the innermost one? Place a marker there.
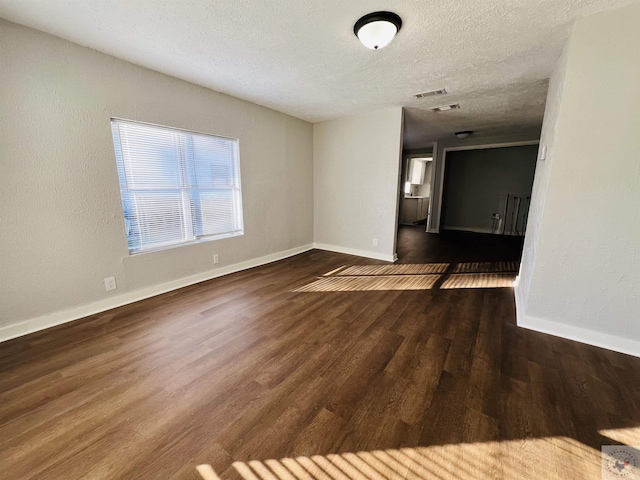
(377, 29)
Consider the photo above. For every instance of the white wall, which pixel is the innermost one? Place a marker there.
(580, 276)
(61, 219)
(543, 172)
(356, 172)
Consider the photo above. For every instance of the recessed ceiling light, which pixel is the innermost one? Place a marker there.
(377, 29)
(444, 108)
(430, 93)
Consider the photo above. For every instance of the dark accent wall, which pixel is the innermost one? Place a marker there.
(476, 181)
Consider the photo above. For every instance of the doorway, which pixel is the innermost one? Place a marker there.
(448, 238)
(417, 188)
(488, 190)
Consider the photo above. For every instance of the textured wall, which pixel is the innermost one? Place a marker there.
(543, 171)
(356, 168)
(581, 269)
(477, 180)
(61, 219)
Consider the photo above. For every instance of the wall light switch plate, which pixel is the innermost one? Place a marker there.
(375, 242)
(543, 153)
(216, 259)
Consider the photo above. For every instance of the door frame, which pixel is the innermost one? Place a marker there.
(406, 158)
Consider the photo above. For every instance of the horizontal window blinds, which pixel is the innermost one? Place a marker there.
(176, 186)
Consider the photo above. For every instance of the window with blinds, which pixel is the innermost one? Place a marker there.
(177, 186)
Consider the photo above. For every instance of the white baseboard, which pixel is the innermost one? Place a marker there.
(358, 253)
(571, 332)
(64, 316)
(517, 293)
(13, 331)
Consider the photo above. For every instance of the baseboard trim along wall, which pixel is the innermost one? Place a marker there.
(571, 332)
(58, 318)
(356, 252)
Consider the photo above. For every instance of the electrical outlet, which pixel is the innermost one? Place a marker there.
(110, 284)
(375, 242)
(216, 259)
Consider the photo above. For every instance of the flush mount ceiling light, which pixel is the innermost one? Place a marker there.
(377, 29)
(464, 134)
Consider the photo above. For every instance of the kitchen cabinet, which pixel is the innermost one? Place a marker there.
(414, 209)
(423, 212)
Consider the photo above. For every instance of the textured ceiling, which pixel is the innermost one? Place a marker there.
(301, 57)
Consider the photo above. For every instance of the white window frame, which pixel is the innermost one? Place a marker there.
(190, 236)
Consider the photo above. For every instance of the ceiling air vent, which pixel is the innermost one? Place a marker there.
(444, 108)
(432, 93)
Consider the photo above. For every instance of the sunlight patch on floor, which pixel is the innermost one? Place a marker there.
(415, 276)
(627, 436)
(400, 269)
(479, 280)
(540, 458)
(486, 267)
(366, 284)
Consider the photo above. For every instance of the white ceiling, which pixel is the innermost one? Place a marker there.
(302, 58)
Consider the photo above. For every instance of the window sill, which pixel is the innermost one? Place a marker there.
(210, 238)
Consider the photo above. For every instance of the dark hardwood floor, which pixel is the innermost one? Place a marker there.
(416, 246)
(243, 369)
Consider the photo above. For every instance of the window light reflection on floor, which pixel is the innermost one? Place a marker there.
(371, 283)
(627, 436)
(422, 276)
(479, 280)
(539, 458)
(399, 269)
(487, 267)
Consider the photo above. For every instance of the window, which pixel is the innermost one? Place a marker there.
(177, 186)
